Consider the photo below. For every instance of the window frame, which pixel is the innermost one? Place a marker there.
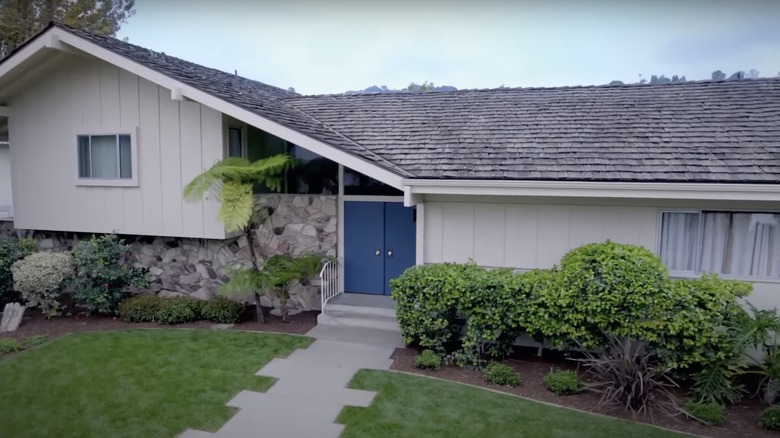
(698, 272)
(108, 182)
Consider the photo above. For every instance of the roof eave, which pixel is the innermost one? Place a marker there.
(588, 189)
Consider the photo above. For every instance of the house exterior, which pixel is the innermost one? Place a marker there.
(104, 135)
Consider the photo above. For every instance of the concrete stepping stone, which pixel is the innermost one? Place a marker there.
(323, 391)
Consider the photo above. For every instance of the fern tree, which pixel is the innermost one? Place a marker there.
(231, 181)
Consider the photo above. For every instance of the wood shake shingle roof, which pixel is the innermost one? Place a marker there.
(724, 132)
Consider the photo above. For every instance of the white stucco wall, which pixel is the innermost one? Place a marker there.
(528, 234)
(176, 140)
(6, 206)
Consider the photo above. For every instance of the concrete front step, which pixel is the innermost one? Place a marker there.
(352, 319)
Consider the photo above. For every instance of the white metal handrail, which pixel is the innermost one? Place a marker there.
(329, 282)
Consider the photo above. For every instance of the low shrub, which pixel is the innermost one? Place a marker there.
(563, 382)
(102, 276)
(705, 412)
(628, 375)
(770, 418)
(9, 345)
(32, 341)
(501, 374)
(140, 308)
(428, 360)
(427, 300)
(222, 310)
(40, 277)
(178, 310)
(11, 250)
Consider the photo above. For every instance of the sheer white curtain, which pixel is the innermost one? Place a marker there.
(679, 237)
(741, 244)
(105, 160)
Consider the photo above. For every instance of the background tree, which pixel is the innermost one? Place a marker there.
(21, 19)
(231, 181)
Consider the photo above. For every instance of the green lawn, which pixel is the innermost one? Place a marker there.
(409, 406)
(142, 383)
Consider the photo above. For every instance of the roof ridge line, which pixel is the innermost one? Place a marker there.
(387, 162)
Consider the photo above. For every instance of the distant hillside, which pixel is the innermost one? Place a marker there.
(412, 88)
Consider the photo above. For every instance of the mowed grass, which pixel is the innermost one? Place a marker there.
(139, 383)
(410, 406)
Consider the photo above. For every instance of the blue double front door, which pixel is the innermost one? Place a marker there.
(379, 244)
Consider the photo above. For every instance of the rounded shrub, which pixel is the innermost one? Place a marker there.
(222, 310)
(11, 250)
(427, 299)
(563, 382)
(770, 418)
(40, 277)
(607, 288)
(178, 310)
(501, 374)
(706, 412)
(428, 360)
(140, 308)
(102, 276)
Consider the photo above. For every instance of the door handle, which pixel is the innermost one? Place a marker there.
(390, 253)
(378, 253)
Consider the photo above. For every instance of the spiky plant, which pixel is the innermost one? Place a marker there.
(627, 375)
(231, 181)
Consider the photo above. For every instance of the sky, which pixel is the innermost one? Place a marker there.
(331, 46)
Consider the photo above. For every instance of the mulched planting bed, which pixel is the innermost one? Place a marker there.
(741, 419)
(34, 324)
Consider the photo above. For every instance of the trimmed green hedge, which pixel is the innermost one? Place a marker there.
(476, 313)
(151, 308)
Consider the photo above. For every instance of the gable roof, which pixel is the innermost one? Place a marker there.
(689, 132)
(725, 132)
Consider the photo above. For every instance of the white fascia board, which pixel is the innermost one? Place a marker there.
(634, 190)
(24, 54)
(318, 147)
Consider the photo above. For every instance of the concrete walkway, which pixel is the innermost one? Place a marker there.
(311, 390)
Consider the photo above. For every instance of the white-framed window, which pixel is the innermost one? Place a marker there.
(729, 243)
(106, 159)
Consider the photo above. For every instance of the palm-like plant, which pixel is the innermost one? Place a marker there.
(278, 275)
(231, 181)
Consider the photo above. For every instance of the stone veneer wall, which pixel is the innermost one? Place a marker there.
(196, 267)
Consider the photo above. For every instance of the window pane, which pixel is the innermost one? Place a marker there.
(679, 235)
(356, 183)
(742, 244)
(125, 162)
(105, 160)
(312, 173)
(84, 171)
(234, 142)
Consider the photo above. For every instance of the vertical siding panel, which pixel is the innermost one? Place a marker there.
(433, 232)
(191, 165)
(90, 198)
(170, 162)
(458, 229)
(211, 152)
(133, 218)
(586, 225)
(149, 157)
(113, 201)
(554, 234)
(489, 232)
(522, 232)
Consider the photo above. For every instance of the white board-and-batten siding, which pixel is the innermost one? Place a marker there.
(529, 235)
(174, 140)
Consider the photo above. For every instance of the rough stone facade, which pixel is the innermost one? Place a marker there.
(297, 224)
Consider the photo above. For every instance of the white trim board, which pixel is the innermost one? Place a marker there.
(180, 90)
(698, 191)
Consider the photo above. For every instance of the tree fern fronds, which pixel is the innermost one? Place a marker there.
(237, 203)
